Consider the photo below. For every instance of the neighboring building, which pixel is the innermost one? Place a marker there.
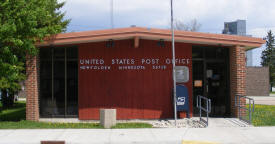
(130, 69)
(257, 81)
(238, 27)
(249, 58)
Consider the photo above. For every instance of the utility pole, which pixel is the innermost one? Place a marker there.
(174, 65)
(112, 13)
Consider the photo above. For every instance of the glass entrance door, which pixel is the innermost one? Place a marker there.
(211, 78)
(217, 88)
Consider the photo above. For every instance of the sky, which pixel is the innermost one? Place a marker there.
(211, 14)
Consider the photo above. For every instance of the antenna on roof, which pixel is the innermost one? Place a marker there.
(112, 14)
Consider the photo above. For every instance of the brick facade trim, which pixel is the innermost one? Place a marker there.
(32, 105)
(237, 76)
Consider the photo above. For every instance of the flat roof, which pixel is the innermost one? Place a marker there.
(152, 34)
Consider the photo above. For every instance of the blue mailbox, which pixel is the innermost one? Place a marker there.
(182, 98)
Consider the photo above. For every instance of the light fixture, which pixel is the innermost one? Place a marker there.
(110, 43)
(161, 43)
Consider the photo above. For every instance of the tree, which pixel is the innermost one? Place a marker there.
(193, 25)
(268, 57)
(22, 24)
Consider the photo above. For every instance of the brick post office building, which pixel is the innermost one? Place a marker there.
(130, 69)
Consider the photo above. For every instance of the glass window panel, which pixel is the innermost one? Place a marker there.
(197, 52)
(45, 53)
(46, 106)
(72, 53)
(72, 88)
(59, 53)
(221, 53)
(210, 53)
(59, 88)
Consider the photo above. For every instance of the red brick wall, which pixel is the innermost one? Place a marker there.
(257, 81)
(32, 107)
(237, 76)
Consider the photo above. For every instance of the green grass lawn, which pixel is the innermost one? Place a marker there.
(263, 115)
(272, 92)
(23, 124)
(15, 118)
(16, 113)
(132, 125)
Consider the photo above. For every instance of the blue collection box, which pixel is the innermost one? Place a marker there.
(182, 98)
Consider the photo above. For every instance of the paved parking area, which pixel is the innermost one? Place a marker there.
(265, 100)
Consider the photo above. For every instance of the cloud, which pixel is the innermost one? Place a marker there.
(95, 14)
(155, 13)
(260, 32)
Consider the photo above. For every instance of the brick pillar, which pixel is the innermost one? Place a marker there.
(237, 76)
(32, 107)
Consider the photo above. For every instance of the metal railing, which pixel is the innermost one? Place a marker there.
(206, 109)
(240, 107)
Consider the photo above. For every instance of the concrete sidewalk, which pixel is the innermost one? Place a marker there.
(249, 135)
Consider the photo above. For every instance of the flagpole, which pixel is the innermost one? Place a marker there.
(174, 65)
